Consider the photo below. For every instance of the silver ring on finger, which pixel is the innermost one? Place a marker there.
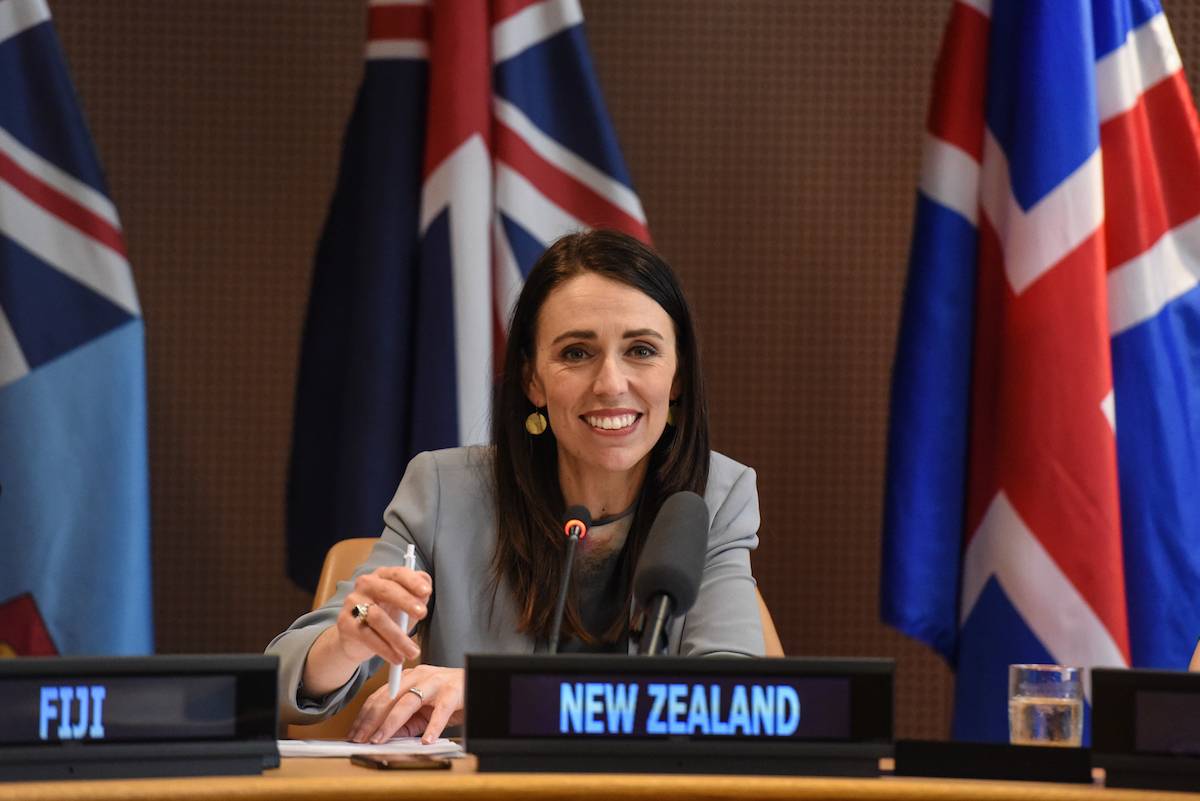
(359, 612)
(417, 692)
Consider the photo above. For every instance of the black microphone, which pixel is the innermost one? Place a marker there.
(667, 578)
(576, 521)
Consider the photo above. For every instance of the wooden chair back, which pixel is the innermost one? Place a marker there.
(340, 563)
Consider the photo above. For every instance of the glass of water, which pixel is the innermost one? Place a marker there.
(1045, 705)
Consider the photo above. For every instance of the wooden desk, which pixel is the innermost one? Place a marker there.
(337, 779)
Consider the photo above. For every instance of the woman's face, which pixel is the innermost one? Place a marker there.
(604, 369)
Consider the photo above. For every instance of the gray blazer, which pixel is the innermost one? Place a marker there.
(444, 506)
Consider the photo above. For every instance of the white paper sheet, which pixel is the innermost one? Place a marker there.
(341, 748)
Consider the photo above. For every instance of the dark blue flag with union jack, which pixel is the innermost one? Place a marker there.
(1044, 452)
(479, 136)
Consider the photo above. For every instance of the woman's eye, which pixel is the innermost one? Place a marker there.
(574, 354)
(643, 351)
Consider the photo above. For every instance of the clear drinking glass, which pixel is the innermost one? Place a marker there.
(1045, 705)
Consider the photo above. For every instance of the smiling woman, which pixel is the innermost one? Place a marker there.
(601, 404)
(601, 333)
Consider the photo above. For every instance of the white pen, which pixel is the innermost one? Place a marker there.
(396, 671)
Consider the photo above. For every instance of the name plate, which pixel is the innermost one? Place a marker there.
(69, 717)
(582, 712)
(1146, 728)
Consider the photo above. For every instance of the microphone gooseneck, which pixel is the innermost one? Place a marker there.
(576, 521)
(667, 579)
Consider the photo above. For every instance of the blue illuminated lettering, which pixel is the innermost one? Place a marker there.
(80, 726)
(698, 719)
(787, 711)
(654, 721)
(596, 708)
(714, 703)
(56, 704)
(98, 695)
(621, 702)
(677, 708)
(65, 696)
(49, 711)
(584, 708)
(762, 709)
(570, 707)
(739, 711)
(593, 722)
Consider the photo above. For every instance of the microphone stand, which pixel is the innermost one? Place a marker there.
(654, 636)
(568, 560)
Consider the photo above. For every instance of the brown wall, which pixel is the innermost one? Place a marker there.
(775, 145)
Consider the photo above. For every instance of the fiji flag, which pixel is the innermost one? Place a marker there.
(479, 137)
(74, 506)
(1044, 457)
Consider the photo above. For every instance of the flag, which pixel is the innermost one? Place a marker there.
(1044, 447)
(479, 136)
(74, 501)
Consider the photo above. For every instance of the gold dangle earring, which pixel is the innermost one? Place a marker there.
(535, 423)
(671, 409)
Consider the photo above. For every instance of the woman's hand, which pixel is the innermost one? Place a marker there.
(385, 593)
(430, 699)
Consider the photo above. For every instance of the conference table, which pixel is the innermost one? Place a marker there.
(331, 778)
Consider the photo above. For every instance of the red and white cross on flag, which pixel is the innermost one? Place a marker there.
(1044, 446)
(479, 137)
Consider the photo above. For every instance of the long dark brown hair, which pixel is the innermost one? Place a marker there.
(528, 497)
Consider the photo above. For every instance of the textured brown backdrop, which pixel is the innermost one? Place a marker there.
(775, 145)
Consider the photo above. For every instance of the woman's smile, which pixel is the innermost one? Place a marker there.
(612, 422)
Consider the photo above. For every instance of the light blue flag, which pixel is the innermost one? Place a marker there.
(74, 502)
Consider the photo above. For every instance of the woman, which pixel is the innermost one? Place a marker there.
(601, 403)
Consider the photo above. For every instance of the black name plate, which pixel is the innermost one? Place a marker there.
(671, 714)
(71, 717)
(1146, 728)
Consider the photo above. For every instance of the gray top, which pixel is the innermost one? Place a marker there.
(444, 506)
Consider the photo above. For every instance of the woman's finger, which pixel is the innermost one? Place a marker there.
(388, 716)
(374, 629)
(390, 595)
(443, 698)
(388, 647)
(438, 718)
(368, 631)
(402, 709)
(388, 631)
(416, 582)
(415, 725)
(411, 709)
(373, 711)
(349, 640)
